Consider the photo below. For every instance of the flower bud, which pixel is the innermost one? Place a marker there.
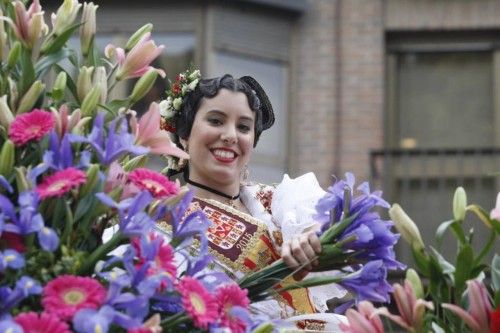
(88, 28)
(406, 227)
(416, 283)
(14, 54)
(136, 162)
(3, 38)
(177, 103)
(459, 204)
(143, 85)
(7, 155)
(6, 116)
(84, 82)
(194, 75)
(193, 85)
(59, 86)
(36, 29)
(90, 101)
(13, 93)
(29, 99)
(101, 81)
(65, 16)
(138, 35)
(21, 180)
(92, 179)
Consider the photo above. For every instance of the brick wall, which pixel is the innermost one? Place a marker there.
(338, 109)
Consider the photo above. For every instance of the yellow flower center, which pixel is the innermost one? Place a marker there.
(152, 186)
(73, 297)
(34, 129)
(197, 303)
(57, 186)
(98, 328)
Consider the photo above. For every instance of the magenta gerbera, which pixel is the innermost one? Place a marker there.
(60, 182)
(31, 126)
(32, 322)
(67, 294)
(156, 183)
(198, 303)
(229, 296)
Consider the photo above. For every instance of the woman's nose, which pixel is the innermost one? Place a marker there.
(228, 136)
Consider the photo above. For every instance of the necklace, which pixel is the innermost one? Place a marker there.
(232, 199)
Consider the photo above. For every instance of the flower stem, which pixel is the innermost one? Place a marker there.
(100, 253)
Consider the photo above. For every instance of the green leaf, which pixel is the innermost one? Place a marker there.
(496, 226)
(445, 266)
(481, 213)
(27, 72)
(44, 64)
(52, 44)
(421, 260)
(441, 231)
(497, 299)
(332, 232)
(84, 205)
(495, 272)
(463, 267)
(115, 105)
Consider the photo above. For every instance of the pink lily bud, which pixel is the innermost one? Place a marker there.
(495, 212)
(29, 24)
(411, 309)
(365, 320)
(480, 308)
(65, 16)
(137, 61)
(88, 28)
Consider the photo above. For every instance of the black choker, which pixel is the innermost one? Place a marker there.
(211, 190)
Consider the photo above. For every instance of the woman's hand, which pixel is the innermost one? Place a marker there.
(302, 250)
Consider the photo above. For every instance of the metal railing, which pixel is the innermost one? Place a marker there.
(423, 182)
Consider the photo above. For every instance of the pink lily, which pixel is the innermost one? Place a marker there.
(495, 212)
(365, 320)
(30, 24)
(117, 177)
(136, 62)
(480, 308)
(65, 122)
(411, 309)
(149, 134)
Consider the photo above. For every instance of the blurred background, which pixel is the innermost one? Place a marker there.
(403, 93)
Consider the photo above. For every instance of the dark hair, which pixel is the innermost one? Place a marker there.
(209, 88)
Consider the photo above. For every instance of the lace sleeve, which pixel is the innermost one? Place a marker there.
(293, 204)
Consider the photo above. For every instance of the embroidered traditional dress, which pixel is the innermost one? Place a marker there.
(241, 242)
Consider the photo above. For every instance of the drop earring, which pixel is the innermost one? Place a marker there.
(245, 174)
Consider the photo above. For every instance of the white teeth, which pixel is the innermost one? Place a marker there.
(223, 153)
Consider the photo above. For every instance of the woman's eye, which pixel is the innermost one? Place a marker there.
(214, 121)
(244, 128)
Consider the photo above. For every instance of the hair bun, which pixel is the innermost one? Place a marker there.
(265, 104)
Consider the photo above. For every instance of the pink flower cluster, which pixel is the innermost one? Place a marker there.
(205, 308)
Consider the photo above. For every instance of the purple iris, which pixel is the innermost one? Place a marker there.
(90, 321)
(118, 141)
(133, 221)
(28, 220)
(11, 259)
(369, 283)
(24, 288)
(59, 156)
(9, 325)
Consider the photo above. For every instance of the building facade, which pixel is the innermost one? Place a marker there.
(400, 92)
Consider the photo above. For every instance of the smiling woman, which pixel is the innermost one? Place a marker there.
(218, 122)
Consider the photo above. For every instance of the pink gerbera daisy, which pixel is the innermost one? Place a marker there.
(32, 322)
(61, 182)
(30, 126)
(198, 303)
(67, 294)
(229, 296)
(156, 183)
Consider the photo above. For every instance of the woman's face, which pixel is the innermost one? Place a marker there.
(221, 139)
